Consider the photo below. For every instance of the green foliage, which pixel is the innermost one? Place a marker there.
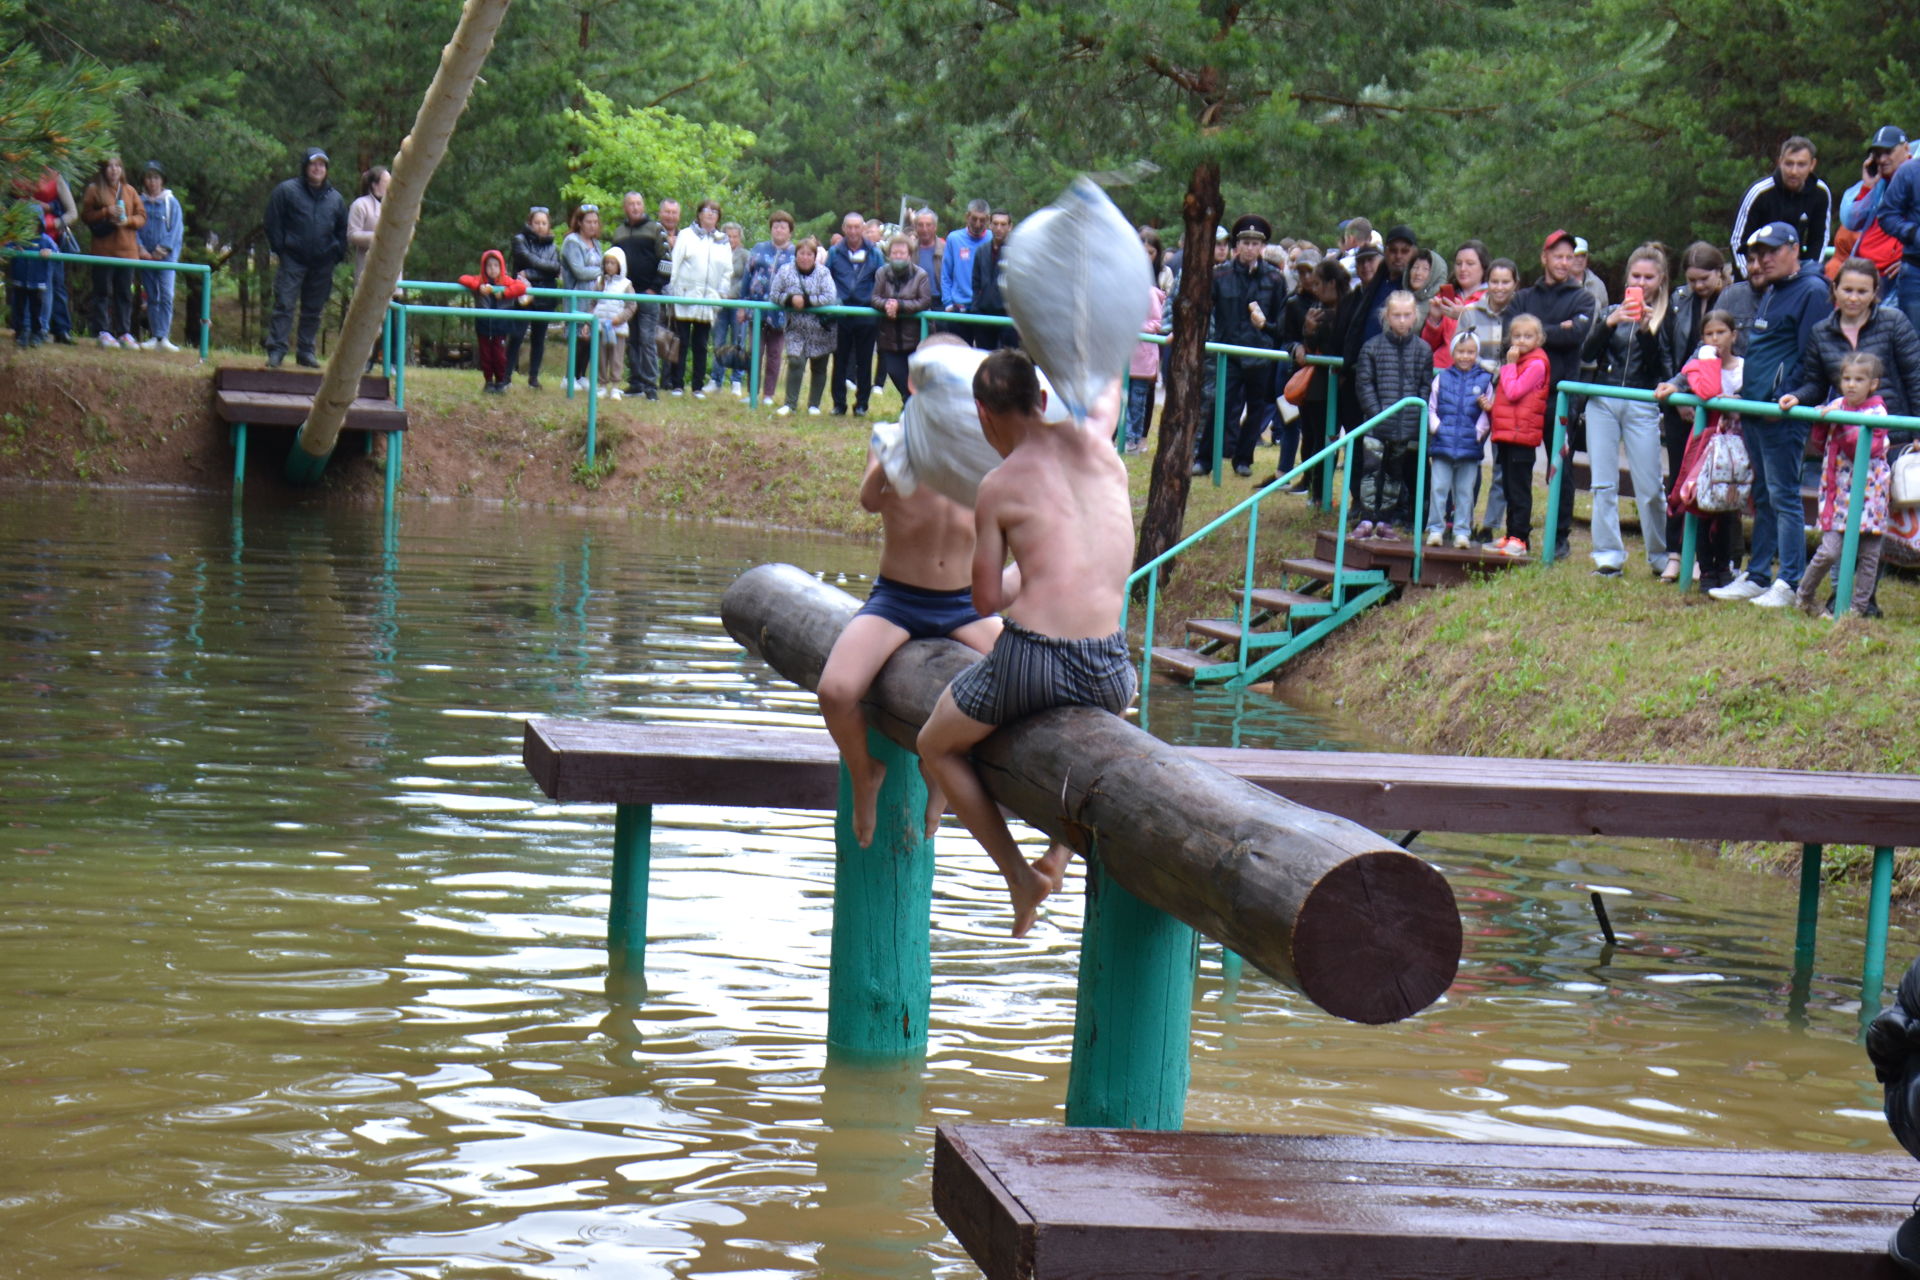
(659, 154)
(53, 115)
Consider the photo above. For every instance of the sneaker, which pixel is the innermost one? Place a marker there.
(1299, 490)
(126, 340)
(1606, 571)
(739, 392)
(1364, 529)
(766, 402)
(813, 410)
(1512, 546)
(679, 391)
(149, 344)
(533, 384)
(652, 394)
(306, 362)
(783, 411)
(1741, 588)
(616, 394)
(108, 340)
(1777, 596)
(273, 357)
(600, 392)
(698, 395)
(168, 346)
(1434, 537)
(1201, 469)
(1242, 470)
(1462, 543)
(1386, 533)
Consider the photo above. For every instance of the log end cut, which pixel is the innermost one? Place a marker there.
(1378, 938)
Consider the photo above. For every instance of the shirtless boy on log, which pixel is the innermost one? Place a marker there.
(1059, 504)
(923, 591)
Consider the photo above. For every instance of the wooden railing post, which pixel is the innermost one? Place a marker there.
(880, 986)
(627, 917)
(1131, 1023)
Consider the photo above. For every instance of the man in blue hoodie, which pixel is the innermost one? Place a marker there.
(956, 265)
(1793, 297)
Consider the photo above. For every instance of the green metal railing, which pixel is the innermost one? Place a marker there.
(1342, 445)
(200, 269)
(1689, 543)
(395, 335)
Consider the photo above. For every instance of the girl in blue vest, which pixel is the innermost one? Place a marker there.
(1457, 418)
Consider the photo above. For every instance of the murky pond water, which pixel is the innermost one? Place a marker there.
(300, 976)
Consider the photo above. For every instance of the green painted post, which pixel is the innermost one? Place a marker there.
(1131, 1021)
(386, 342)
(1120, 424)
(1873, 973)
(627, 917)
(1333, 433)
(394, 451)
(1556, 472)
(206, 312)
(880, 983)
(1219, 416)
(593, 398)
(572, 366)
(400, 359)
(1418, 532)
(753, 360)
(1231, 964)
(239, 457)
(1808, 928)
(1856, 506)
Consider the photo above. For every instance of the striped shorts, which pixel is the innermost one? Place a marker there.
(1028, 673)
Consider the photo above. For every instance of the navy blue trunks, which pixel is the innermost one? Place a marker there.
(922, 614)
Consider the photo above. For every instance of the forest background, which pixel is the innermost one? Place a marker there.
(1621, 119)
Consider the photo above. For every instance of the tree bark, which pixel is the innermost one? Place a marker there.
(1364, 929)
(1185, 364)
(420, 154)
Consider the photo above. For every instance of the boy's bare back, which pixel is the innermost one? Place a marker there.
(1059, 504)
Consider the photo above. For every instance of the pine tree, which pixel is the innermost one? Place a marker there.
(56, 116)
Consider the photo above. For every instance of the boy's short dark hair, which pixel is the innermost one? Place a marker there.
(1007, 382)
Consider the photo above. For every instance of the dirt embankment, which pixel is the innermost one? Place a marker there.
(87, 416)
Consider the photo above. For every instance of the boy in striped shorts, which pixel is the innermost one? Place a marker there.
(1059, 505)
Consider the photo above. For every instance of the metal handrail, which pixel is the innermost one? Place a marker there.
(1856, 497)
(1344, 445)
(140, 264)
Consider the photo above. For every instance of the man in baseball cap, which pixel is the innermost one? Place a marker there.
(1887, 150)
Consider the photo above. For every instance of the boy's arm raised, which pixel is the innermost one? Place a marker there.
(873, 485)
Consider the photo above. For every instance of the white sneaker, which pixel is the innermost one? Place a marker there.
(1777, 596)
(766, 402)
(1741, 588)
(814, 410)
(1461, 542)
(783, 411)
(108, 340)
(699, 395)
(581, 384)
(600, 392)
(126, 340)
(616, 394)
(739, 392)
(1434, 537)
(168, 346)
(150, 344)
(679, 391)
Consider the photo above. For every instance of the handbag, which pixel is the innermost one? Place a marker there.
(1298, 385)
(1905, 488)
(1725, 479)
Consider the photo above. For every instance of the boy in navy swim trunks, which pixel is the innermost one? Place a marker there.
(923, 592)
(1059, 504)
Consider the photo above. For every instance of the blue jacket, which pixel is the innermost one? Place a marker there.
(1899, 211)
(1456, 413)
(1782, 321)
(956, 268)
(165, 227)
(852, 280)
(757, 285)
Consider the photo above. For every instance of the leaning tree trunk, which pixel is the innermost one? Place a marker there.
(1185, 364)
(420, 154)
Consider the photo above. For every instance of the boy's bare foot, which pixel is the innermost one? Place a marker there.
(1028, 892)
(1052, 865)
(936, 808)
(866, 799)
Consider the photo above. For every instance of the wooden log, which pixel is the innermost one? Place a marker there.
(1360, 926)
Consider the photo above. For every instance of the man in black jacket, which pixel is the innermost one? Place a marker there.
(1790, 194)
(1565, 311)
(987, 298)
(307, 231)
(1248, 294)
(644, 242)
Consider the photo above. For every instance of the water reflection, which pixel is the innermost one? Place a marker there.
(305, 978)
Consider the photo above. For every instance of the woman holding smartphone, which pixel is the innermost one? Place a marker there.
(1630, 346)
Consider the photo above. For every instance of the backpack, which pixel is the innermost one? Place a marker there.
(1725, 480)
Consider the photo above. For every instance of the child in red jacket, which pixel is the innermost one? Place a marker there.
(1519, 415)
(493, 290)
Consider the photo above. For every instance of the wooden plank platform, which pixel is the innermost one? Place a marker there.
(284, 397)
(1046, 1203)
(616, 762)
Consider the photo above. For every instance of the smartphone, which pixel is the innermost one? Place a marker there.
(1634, 302)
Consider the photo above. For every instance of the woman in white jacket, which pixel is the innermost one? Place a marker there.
(702, 264)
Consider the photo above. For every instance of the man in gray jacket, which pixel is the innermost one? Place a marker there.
(307, 231)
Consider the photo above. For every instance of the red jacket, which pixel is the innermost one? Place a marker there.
(1520, 401)
(489, 296)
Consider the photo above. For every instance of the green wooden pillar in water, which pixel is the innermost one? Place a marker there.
(1873, 973)
(881, 982)
(627, 919)
(1131, 1021)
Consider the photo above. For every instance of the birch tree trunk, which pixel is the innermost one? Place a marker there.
(420, 154)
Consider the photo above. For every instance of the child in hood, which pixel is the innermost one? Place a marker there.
(1457, 406)
(31, 277)
(493, 290)
(611, 315)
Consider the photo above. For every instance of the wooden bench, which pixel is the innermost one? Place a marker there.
(251, 397)
(1033, 1203)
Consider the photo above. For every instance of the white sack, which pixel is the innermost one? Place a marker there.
(938, 441)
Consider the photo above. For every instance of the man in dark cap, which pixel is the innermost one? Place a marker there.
(1248, 293)
(307, 231)
(1887, 150)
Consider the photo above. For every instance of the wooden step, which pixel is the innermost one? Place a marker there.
(1227, 631)
(1181, 663)
(1278, 601)
(1359, 550)
(1322, 571)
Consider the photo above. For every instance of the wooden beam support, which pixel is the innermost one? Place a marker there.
(1360, 926)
